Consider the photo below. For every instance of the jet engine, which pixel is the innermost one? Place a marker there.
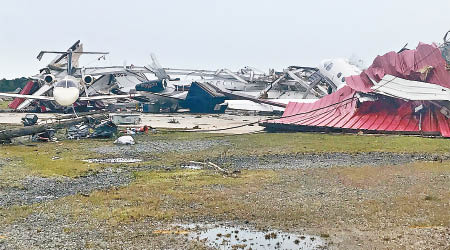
(49, 78)
(88, 79)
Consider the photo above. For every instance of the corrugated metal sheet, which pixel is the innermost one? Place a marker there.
(391, 112)
(386, 115)
(408, 64)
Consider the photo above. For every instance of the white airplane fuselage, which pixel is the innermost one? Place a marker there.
(66, 91)
(337, 69)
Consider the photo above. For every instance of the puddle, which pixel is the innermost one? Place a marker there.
(113, 160)
(232, 237)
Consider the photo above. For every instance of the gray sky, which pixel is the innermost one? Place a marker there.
(213, 34)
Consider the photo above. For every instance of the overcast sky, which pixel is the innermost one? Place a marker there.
(214, 34)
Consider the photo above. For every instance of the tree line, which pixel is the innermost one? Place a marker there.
(11, 85)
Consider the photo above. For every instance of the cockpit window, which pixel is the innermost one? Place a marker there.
(339, 75)
(328, 66)
(66, 84)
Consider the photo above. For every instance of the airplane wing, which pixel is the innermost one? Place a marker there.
(39, 92)
(103, 97)
(95, 71)
(45, 98)
(127, 82)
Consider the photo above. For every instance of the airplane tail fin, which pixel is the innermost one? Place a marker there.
(157, 69)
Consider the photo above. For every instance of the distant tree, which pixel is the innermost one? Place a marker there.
(11, 85)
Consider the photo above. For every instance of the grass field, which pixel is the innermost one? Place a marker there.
(352, 205)
(4, 104)
(65, 157)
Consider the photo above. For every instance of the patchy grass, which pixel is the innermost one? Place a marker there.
(13, 213)
(291, 143)
(363, 198)
(169, 195)
(333, 201)
(314, 142)
(371, 177)
(412, 195)
(65, 158)
(285, 143)
(4, 104)
(51, 159)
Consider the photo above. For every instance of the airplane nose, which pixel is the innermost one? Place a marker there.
(66, 96)
(66, 83)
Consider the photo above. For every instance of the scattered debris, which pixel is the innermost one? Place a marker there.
(113, 160)
(193, 167)
(29, 119)
(173, 120)
(219, 168)
(78, 131)
(46, 136)
(153, 107)
(133, 131)
(106, 129)
(7, 135)
(120, 119)
(125, 140)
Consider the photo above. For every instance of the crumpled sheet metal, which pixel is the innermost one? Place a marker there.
(409, 64)
(342, 110)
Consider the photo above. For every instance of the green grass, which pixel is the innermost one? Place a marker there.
(362, 198)
(41, 160)
(168, 195)
(293, 143)
(315, 142)
(282, 143)
(4, 104)
(412, 195)
(195, 195)
(13, 213)
(52, 158)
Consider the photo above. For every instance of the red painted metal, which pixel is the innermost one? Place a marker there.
(25, 91)
(342, 110)
(406, 65)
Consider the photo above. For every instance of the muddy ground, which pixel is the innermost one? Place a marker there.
(351, 198)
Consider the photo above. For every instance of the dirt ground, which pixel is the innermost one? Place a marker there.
(351, 191)
(213, 123)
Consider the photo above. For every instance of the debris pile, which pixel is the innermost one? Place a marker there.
(29, 120)
(405, 92)
(78, 131)
(46, 131)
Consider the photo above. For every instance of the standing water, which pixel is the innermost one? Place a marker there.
(236, 237)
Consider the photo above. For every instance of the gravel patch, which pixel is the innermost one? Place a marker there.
(38, 189)
(57, 231)
(3, 162)
(158, 146)
(303, 161)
